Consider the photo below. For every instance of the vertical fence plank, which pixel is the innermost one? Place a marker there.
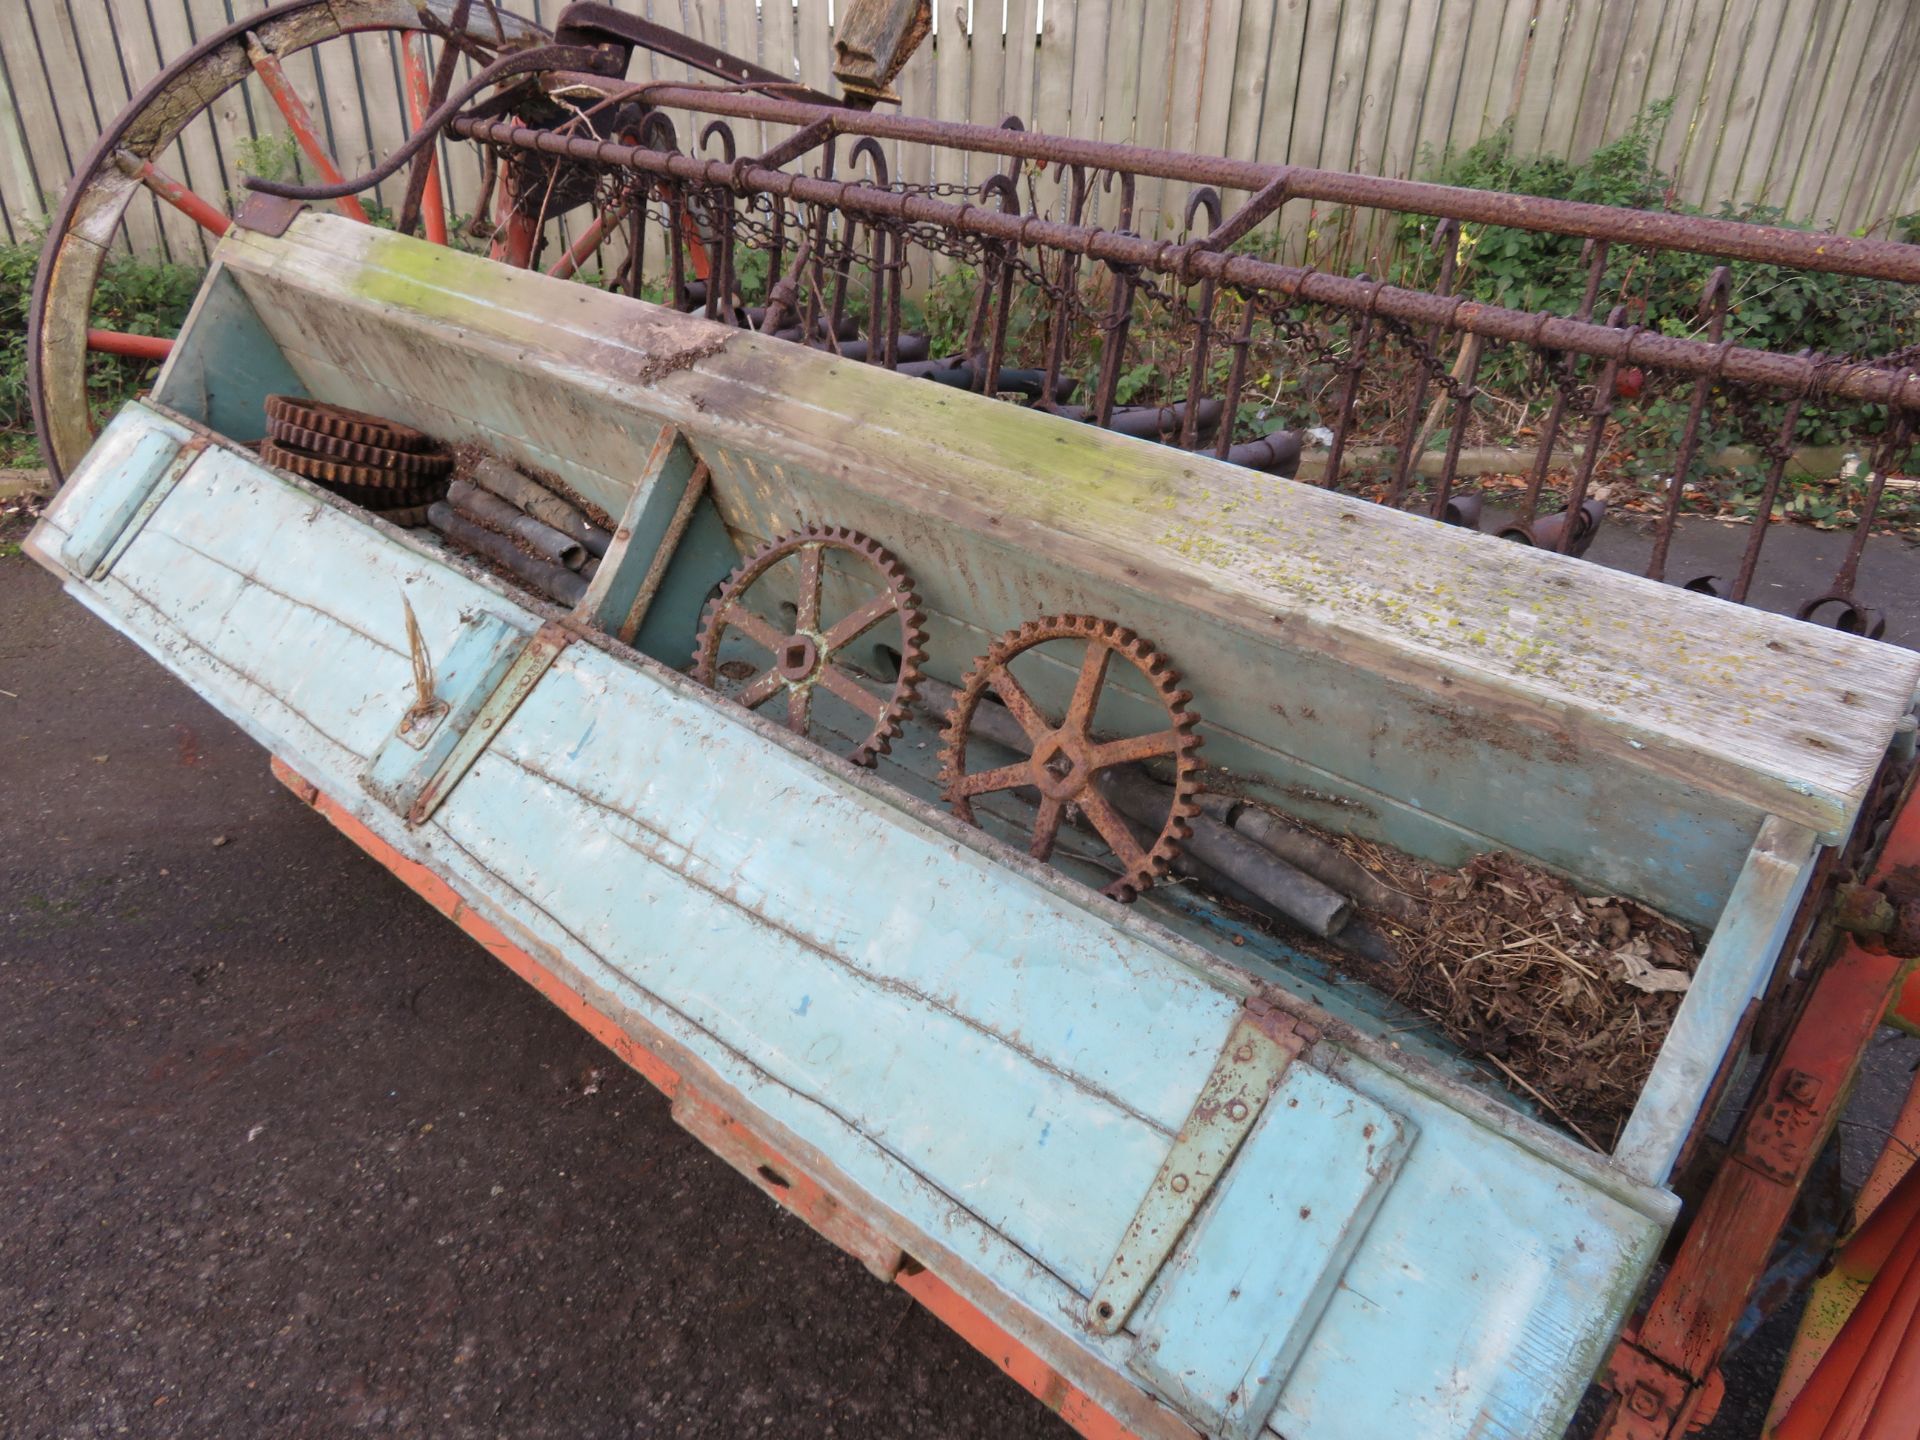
(1897, 152)
(1687, 66)
(44, 142)
(1759, 100)
(1510, 58)
(1429, 76)
(1629, 94)
(95, 35)
(1379, 83)
(1573, 73)
(1539, 69)
(1796, 68)
(1610, 48)
(1871, 111)
(1733, 61)
(19, 190)
(1828, 137)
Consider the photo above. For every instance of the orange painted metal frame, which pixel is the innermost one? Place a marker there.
(708, 1119)
(1663, 1371)
(299, 120)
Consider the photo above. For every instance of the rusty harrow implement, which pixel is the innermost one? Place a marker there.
(940, 676)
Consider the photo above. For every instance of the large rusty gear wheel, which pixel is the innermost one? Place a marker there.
(1066, 757)
(807, 656)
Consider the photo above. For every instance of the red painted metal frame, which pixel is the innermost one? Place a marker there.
(135, 347)
(707, 1118)
(214, 221)
(1663, 1371)
(300, 121)
(419, 87)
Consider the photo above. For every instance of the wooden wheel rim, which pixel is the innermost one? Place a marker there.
(89, 217)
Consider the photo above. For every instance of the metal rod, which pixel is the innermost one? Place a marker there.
(490, 510)
(541, 503)
(1853, 381)
(556, 582)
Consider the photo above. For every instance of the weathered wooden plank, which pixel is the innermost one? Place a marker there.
(1868, 81)
(1629, 93)
(1553, 28)
(1613, 32)
(89, 27)
(1379, 73)
(1153, 108)
(1509, 72)
(1798, 189)
(1423, 104)
(1519, 624)
(1517, 1283)
(1890, 95)
(50, 157)
(1733, 970)
(1733, 58)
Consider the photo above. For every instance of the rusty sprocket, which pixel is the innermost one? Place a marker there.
(809, 653)
(1067, 759)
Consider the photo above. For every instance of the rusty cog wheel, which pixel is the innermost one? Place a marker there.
(1067, 759)
(806, 655)
(354, 426)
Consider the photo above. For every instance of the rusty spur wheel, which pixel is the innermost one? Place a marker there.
(355, 427)
(422, 464)
(1067, 759)
(334, 474)
(807, 655)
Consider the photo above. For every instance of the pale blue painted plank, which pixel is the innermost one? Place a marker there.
(1467, 1311)
(1239, 1299)
(1733, 969)
(106, 496)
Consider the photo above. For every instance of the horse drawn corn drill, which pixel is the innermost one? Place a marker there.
(1253, 959)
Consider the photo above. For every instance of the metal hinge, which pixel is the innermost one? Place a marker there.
(1263, 1043)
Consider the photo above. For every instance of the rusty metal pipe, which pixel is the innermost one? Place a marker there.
(1737, 365)
(1730, 239)
(541, 503)
(496, 514)
(556, 582)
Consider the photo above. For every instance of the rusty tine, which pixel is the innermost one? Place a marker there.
(1778, 453)
(1446, 240)
(1603, 397)
(1713, 309)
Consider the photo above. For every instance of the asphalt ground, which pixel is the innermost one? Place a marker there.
(281, 1151)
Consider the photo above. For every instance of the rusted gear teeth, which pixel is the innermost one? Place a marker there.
(808, 659)
(387, 497)
(408, 517)
(344, 424)
(335, 473)
(420, 464)
(1073, 743)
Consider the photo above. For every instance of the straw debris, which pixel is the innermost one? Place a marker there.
(1568, 996)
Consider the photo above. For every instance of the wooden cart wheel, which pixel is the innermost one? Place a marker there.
(123, 161)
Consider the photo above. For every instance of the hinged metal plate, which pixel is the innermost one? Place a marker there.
(122, 499)
(1263, 1043)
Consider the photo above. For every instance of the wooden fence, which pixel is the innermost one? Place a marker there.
(1810, 105)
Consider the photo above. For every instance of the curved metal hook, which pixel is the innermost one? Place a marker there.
(725, 132)
(653, 124)
(1208, 197)
(1126, 196)
(870, 149)
(1003, 186)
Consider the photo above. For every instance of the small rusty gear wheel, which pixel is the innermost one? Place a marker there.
(344, 424)
(422, 464)
(333, 473)
(1066, 757)
(806, 656)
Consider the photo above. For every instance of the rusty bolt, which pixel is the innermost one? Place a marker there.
(1863, 910)
(1178, 1184)
(1237, 1110)
(1244, 1054)
(1645, 1402)
(1801, 1088)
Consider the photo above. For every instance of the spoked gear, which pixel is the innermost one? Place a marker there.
(807, 655)
(1066, 757)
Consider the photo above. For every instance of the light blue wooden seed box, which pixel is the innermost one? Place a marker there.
(992, 1059)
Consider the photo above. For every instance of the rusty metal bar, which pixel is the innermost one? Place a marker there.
(1739, 365)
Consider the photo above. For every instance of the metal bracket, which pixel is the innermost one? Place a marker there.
(1654, 1397)
(1781, 1137)
(488, 671)
(1263, 1043)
